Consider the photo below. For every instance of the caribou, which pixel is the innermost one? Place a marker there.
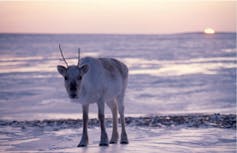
(101, 81)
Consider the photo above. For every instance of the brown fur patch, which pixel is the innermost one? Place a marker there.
(113, 66)
(121, 67)
(108, 66)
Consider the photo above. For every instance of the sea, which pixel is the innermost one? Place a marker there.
(169, 74)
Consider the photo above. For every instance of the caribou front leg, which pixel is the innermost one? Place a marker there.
(84, 138)
(103, 137)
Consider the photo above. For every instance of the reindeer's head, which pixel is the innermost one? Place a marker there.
(73, 76)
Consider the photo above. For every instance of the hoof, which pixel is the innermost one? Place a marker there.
(104, 144)
(82, 145)
(124, 142)
(84, 141)
(113, 142)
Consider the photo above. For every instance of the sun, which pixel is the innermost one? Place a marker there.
(209, 31)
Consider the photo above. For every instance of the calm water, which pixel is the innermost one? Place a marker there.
(181, 73)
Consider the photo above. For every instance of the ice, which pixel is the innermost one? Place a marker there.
(141, 139)
(187, 133)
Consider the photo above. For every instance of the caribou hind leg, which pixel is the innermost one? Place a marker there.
(124, 138)
(101, 116)
(114, 109)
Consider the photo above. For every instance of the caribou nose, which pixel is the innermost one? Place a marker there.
(73, 96)
(73, 88)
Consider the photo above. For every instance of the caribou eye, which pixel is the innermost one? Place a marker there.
(79, 77)
(66, 78)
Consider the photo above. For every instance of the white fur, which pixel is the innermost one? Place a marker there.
(98, 84)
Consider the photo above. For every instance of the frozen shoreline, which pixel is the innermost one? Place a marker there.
(171, 133)
(189, 120)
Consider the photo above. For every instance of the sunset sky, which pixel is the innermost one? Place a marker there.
(117, 16)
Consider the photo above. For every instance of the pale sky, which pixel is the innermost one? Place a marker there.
(117, 16)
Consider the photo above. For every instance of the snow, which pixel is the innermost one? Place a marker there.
(141, 139)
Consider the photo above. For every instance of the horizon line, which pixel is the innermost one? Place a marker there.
(98, 33)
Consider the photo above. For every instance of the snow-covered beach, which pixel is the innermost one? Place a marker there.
(176, 133)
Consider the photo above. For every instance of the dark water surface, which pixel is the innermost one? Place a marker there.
(169, 74)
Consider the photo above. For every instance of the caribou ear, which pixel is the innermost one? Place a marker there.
(62, 70)
(84, 69)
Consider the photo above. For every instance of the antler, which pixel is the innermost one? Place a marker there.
(78, 57)
(62, 55)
